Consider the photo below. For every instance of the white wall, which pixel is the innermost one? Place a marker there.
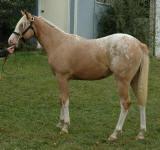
(56, 11)
(157, 36)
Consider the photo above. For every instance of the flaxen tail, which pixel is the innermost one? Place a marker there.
(140, 81)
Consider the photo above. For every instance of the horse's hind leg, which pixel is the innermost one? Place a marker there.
(64, 101)
(141, 99)
(123, 89)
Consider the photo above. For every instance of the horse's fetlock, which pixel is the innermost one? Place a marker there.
(60, 124)
(67, 123)
(63, 101)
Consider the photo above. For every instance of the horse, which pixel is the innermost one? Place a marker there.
(72, 57)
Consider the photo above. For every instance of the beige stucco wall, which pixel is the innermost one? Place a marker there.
(56, 11)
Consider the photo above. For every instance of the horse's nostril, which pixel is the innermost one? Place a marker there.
(11, 42)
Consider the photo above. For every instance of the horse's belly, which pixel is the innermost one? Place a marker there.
(92, 73)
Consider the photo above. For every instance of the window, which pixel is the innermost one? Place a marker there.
(110, 2)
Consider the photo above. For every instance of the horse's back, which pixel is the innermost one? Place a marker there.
(95, 59)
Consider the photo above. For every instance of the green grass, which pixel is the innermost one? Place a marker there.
(29, 110)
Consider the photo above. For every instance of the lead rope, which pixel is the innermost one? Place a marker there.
(4, 62)
(3, 66)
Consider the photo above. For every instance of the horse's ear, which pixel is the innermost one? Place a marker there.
(22, 12)
(28, 15)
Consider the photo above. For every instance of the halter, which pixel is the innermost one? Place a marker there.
(21, 36)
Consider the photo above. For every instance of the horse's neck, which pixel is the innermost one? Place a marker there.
(49, 37)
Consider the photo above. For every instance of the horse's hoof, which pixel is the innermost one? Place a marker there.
(64, 131)
(139, 137)
(59, 125)
(111, 138)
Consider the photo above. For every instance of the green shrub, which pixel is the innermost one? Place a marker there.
(10, 14)
(126, 16)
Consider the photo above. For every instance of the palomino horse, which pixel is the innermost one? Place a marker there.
(73, 57)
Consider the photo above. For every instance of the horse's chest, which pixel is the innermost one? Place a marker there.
(52, 66)
(53, 69)
(58, 65)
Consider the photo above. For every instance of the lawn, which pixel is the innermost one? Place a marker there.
(29, 110)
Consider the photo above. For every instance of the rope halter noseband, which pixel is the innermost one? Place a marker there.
(21, 35)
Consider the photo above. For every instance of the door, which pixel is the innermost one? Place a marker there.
(56, 11)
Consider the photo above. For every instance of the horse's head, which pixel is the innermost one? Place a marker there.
(24, 29)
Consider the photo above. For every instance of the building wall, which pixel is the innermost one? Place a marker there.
(152, 27)
(72, 10)
(85, 18)
(87, 14)
(157, 28)
(74, 16)
(56, 11)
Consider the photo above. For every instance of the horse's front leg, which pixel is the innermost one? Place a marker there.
(64, 101)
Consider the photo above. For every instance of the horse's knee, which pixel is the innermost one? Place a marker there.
(63, 101)
(126, 104)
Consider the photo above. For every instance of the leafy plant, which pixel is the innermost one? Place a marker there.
(126, 16)
(10, 14)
